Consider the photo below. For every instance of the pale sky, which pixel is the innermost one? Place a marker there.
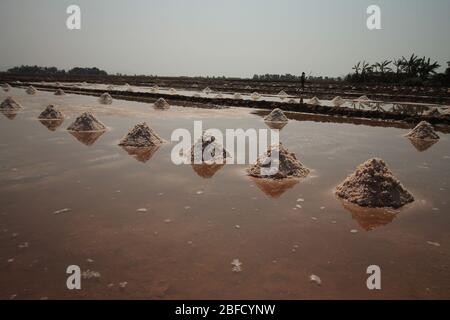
(220, 37)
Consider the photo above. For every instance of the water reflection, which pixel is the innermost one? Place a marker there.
(275, 188)
(87, 138)
(275, 125)
(51, 125)
(9, 115)
(422, 145)
(370, 218)
(205, 170)
(141, 154)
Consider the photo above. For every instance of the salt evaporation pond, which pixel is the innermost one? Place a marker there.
(171, 232)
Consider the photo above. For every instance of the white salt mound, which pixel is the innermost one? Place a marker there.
(161, 104)
(154, 89)
(207, 150)
(141, 136)
(337, 101)
(50, 113)
(219, 96)
(6, 87)
(59, 92)
(110, 87)
(314, 101)
(255, 96)
(373, 185)
(105, 98)
(31, 90)
(86, 122)
(237, 96)
(423, 131)
(207, 90)
(276, 115)
(172, 90)
(10, 104)
(363, 98)
(282, 94)
(288, 165)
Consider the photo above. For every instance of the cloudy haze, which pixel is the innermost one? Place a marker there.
(212, 37)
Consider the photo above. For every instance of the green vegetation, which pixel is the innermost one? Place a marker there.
(407, 71)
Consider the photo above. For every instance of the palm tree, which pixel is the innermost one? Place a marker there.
(365, 68)
(411, 65)
(425, 67)
(383, 66)
(357, 68)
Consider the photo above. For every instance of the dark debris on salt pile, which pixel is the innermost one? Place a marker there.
(141, 136)
(86, 122)
(50, 113)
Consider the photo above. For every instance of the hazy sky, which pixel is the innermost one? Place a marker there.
(220, 37)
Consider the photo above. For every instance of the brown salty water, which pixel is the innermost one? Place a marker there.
(182, 247)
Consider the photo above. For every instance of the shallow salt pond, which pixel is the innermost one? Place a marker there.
(197, 222)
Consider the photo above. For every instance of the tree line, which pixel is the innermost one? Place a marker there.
(409, 71)
(49, 71)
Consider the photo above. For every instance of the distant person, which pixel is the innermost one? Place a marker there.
(302, 80)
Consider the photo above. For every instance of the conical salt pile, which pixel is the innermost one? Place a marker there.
(110, 87)
(86, 122)
(255, 96)
(292, 100)
(276, 115)
(50, 113)
(172, 90)
(207, 90)
(287, 163)
(424, 131)
(282, 93)
(154, 89)
(373, 185)
(9, 104)
(162, 104)
(338, 101)
(6, 87)
(208, 150)
(141, 136)
(105, 98)
(237, 96)
(363, 98)
(219, 96)
(314, 101)
(59, 92)
(31, 90)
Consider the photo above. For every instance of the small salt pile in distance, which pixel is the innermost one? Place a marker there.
(423, 131)
(51, 113)
(10, 105)
(6, 87)
(255, 96)
(219, 96)
(154, 89)
(161, 104)
(207, 90)
(172, 91)
(59, 92)
(288, 165)
(363, 99)
(86, 122)
(314, 101)
(276, 115)
(31, 90)
(373, 185)
(283, 95)
(105, 98)
(337, 101)
(141, 136)
(237, 96)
